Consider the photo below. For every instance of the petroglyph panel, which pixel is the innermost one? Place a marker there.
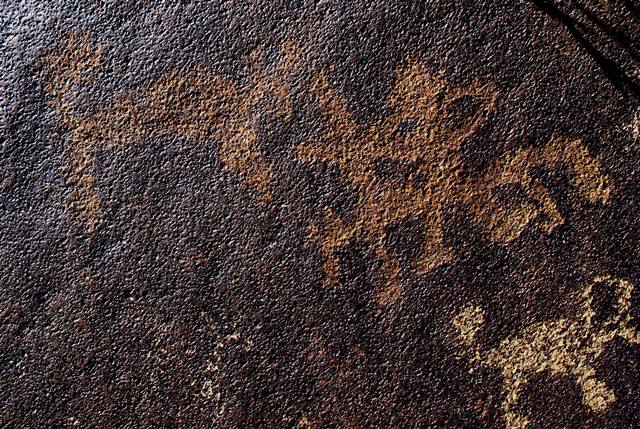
(319, 214)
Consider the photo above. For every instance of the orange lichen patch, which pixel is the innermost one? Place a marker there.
(427, 122)
(560, 347)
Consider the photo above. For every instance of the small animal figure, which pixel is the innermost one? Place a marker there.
(562, 347)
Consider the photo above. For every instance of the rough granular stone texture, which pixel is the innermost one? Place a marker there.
(320, 214)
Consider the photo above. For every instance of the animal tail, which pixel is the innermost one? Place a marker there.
(467, 323)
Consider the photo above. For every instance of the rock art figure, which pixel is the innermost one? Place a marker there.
(196, 104)
(421, 136)
(567, 346)
(419, 140)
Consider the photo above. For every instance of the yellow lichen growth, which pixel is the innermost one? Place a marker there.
(561, 347)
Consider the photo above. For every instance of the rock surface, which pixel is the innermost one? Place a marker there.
(320, 214)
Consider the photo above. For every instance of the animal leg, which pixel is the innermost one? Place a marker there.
(512, 386)
(595, 393)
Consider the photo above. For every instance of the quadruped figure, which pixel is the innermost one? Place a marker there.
(566, 346)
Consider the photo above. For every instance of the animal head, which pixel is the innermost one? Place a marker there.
(606, 306)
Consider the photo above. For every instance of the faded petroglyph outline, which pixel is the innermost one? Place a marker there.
(198, 104)
(210, 385)
(422, 102)
(562, 347)
(70, 66)
(634, 126)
